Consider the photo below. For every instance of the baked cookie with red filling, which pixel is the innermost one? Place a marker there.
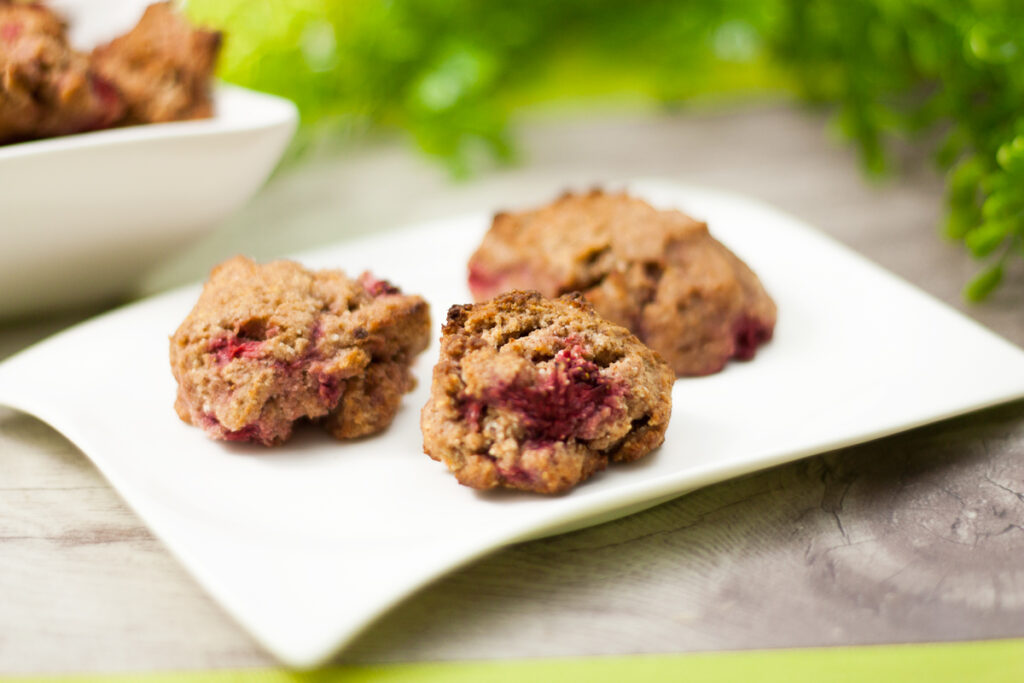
(162, 67)
(268, 345)
(659, 273)
(46, 87)
(538, 394)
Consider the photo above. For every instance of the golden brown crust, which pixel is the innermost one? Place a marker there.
(659, 273)
(270, 344)
(539, 394)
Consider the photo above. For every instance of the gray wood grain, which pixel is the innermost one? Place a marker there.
(916, 537)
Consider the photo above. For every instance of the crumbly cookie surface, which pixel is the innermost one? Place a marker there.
(538, 394)
(267, 345)
(46, 87)
(162, 67)
(659, 273)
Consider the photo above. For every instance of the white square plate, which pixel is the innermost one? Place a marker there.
(307, 543)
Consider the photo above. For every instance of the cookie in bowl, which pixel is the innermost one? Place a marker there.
(46, 87)
(162, 68)
(160, 71)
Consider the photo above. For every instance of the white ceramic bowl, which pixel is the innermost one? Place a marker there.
(82, 217)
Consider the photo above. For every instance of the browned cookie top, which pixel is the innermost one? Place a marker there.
(267, 345)
(659, 273)
(539, 394)
(162, 67)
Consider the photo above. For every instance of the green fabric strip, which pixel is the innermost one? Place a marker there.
(994, 661)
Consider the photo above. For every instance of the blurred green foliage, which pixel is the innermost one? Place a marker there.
(948, 73)
(451, 73)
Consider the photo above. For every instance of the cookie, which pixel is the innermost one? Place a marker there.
(538, 394)
(46, 87)
(267, 345)
(659, 273)
(162, 67)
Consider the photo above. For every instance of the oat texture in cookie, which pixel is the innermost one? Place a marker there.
(538, 394)
(267, 345)
(659, 273)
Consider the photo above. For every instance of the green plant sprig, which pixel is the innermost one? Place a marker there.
(913, 66)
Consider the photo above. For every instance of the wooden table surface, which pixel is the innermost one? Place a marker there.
(917, 537)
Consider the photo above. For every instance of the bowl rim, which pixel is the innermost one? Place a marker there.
(236, 109)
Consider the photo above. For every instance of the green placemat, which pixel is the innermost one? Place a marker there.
(977, 662)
